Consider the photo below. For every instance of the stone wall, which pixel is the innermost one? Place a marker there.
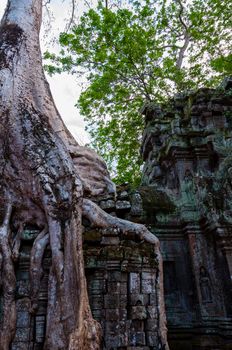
(122, 283)
(121, 277)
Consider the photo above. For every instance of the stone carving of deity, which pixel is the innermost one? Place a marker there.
(188, 189)
(205, 286)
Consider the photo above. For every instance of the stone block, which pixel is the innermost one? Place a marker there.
(111, 327)
(123, 288)
(115, 276)
(147, 275)
(19, 346)
(153, 299)
(112, 264)
(123, 194)
(123, 302)
(23, 304)
(111, 301)
(96, 286)
(137, 338)
(123, 314)
(107, 205)
(96, 301)
(123, 205)
(22, 288)
(22, 335)
(90, 262)
(116, 253)
(134, 282)
(138, 325)
(111, 231)
(110, 241)
(92, 236)
(138, 313)
(152, 311)
(40, 323)
(23, 319)
(151, 325)
(124, 340)
(112, 314)
(112, 341)
(152, 339)
(148, 286)
(114, 287)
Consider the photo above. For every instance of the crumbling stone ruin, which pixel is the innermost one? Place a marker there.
(186, 197)
(185, 200)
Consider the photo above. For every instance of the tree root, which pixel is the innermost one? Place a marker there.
(36, 270)
(101, 219)
(17, 243)
(87, 337)
(8, 283)
(55, 234)
(88, 334)
(1, 270)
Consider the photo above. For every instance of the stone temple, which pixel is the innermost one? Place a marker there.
(185, 199)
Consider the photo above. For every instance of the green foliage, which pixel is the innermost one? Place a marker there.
(146, 51)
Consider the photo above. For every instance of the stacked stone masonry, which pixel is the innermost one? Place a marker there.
(186, 200)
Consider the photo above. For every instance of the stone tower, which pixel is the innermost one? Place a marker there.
(187, 200)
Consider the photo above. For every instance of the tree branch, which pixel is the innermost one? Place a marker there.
(72, 16)
(180, 57)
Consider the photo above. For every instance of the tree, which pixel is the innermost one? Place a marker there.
(47, 181)
(141, 53)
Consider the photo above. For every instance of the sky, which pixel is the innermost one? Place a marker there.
(64, 87)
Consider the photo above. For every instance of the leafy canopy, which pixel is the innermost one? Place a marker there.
(145, 51)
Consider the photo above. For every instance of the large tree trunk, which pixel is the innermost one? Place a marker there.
(44, 175)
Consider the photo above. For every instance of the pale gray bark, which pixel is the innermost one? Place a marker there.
(44, 175)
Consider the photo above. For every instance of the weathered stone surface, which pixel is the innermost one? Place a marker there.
(123, 205)
(187, 154)
(138, 313)
(107, 205)
(115, 292)
(134, 282)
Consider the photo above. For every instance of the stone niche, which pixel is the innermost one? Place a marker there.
(30, 331)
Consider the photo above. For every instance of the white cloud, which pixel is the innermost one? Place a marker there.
(64, 88)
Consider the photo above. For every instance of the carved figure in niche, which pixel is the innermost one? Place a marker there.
(201, 187)
(202, 194)
(205, 286)
(227, 196)
(188, 189)
(156, 176)
(228, 189)
(172, 179)
(136, 204)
